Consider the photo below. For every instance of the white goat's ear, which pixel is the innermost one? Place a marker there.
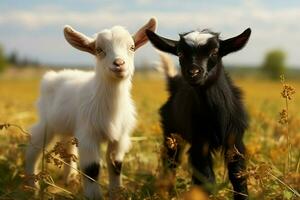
(140, 38)
(79, 40)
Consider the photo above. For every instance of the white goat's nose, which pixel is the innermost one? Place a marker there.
(118, 62)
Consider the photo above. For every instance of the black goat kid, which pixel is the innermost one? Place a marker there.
(205, 108)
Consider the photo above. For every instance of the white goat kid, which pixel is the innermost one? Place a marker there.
(92, 106)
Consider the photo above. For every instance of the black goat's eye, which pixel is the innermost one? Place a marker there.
(214, 53)
(132, 48)
(180, 54)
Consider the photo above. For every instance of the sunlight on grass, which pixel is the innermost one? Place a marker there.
(265, 140)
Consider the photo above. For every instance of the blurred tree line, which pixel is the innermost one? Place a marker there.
(3, 61)
(274, 63)
(13, 59)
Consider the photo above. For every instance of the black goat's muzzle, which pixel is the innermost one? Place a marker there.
(196, 76)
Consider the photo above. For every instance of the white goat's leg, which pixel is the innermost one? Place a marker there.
(114, 157)
(70, 173)
(89, 163)
(35, 147)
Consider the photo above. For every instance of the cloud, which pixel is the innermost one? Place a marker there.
(271, 27)
(44, 16)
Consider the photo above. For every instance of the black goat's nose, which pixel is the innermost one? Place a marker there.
(194, 72)
(118, 62)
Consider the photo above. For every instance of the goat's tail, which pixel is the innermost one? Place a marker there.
(167, 65)
(170, 71)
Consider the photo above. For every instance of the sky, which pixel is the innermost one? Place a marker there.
(33, 28)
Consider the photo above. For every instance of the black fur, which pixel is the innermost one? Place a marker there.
(92, 170)
(117, 167)
(206, 111)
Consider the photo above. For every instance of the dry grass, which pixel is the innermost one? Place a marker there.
(273, 143)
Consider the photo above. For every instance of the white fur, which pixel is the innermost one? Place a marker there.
(92, 106)
(197, 38)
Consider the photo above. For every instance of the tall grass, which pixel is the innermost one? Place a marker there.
(272, 144)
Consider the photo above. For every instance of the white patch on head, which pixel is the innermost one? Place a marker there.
(197, 38)
(116, 37)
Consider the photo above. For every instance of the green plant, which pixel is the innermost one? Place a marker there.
(3, 62)
(274, 63)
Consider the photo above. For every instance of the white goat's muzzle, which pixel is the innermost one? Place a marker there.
(119, 68)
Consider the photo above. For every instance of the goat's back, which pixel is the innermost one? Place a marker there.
(59, 95)
(204, 114)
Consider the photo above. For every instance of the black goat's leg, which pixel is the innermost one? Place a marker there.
(201, 161)
(172, 147)
(236, 164)
(171, 154)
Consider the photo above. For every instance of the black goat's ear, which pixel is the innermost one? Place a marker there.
(234, 44)
(161, 43)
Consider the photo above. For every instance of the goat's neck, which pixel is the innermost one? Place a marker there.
(214, 75)
(106, 100)
(217, 89)
(111, 88)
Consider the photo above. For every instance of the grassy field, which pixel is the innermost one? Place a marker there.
(273, 149)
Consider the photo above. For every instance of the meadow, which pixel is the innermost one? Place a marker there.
(272, 140)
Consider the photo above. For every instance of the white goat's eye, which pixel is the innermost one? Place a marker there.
(99, 50)
(132, 48)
